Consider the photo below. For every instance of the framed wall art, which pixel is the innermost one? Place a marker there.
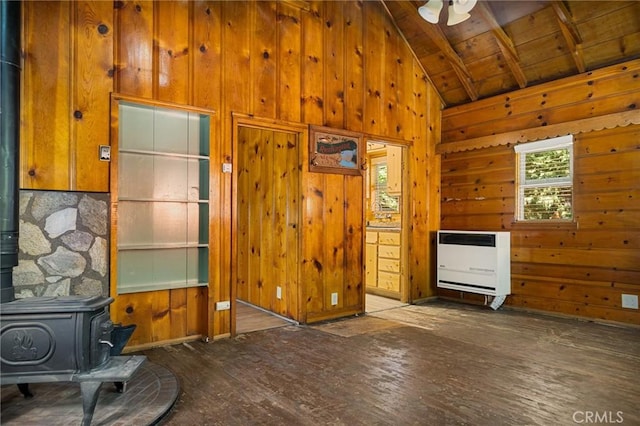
(335, 151)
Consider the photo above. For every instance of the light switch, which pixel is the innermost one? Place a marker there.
(105, 153)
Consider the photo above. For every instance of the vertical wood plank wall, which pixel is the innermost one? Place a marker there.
(582, 271)
(267, 219)
(67, 78)
(339, 64)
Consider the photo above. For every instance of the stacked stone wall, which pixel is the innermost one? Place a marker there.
(63, 244)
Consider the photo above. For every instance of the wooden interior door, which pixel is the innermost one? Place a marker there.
(268, 191)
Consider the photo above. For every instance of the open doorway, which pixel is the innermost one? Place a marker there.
(266, 230)
(385, 247)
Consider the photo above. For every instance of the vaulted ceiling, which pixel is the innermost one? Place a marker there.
(509, 45)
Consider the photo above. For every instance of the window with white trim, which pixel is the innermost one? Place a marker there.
(545, 180)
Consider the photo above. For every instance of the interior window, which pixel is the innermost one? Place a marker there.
(545, 180)
(381, 200)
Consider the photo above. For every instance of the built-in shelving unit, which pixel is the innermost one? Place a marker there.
(163, 198)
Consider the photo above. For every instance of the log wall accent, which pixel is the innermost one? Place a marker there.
(337, 64)
(600, 93)
(579, 270)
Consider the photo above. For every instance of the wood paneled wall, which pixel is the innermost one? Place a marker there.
(268, 215)
(66, 80)
(339, 64)
(580, 270)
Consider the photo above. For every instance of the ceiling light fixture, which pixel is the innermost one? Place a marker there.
(456, 17)
(458, 11)
(430, 11)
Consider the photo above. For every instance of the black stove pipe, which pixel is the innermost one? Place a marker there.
(10, 33)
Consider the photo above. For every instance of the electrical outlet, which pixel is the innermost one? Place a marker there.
(279, 292)
(334, 299)
(630, 301)
(223, 306)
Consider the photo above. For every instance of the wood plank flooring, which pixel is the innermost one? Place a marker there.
(374, 303)
(440, 363)
(250, 318)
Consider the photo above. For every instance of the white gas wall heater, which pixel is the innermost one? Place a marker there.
(475, 262)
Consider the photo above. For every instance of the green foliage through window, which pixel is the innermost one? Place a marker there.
(547, 203)
(383, 202)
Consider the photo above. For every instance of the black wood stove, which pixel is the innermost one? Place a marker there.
(54, 336)
(52, 339)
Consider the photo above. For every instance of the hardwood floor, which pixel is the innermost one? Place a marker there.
(250, 318)
(440, 363)
(374, 303)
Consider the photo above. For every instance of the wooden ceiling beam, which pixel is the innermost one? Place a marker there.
(505, 44)
(437, 36)
(570, 33)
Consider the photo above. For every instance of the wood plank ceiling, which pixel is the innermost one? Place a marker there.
(508, 45)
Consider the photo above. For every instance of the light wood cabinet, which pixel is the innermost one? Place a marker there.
(389, 281)
(389, 238)
(383, 263)
(371, 265)
(389, 251)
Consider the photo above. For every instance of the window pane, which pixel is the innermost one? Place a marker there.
(547, 203)
(381, 174)
(547, 165)
(383, 202)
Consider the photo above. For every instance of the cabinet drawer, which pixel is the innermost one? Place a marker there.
(392, 238)
(371, 237)
(389, 265)
(392, 252)
(389, 281)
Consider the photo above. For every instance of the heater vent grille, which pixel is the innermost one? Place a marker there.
(475, 262)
